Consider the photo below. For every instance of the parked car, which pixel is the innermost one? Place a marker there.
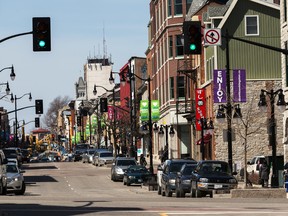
(25, 155)
(103, 158)
(14, 153)
(87, 156)
(168, 178)
(212, 175)
(119, 166)
(15, 179)
(78, 154)
(3, 173)
(137, 174)
(183, 179)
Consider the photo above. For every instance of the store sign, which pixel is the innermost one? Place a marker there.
(200, 107)
(219, 86)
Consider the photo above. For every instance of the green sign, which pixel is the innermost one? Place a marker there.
(155, 110)
(144, 110)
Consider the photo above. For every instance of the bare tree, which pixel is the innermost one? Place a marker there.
(50, 118)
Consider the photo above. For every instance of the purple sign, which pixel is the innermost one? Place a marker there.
(239, 85)
(219, 87)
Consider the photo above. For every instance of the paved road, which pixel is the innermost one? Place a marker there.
(69, 189)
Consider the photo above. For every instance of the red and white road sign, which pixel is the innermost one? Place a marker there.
(212, 37)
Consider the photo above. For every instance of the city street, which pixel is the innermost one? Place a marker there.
(82, 189)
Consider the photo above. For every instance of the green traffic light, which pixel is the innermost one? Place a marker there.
(42, 43)
(192, 47)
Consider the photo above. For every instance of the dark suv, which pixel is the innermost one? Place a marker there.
(170, 169)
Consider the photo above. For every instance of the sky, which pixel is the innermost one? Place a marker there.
(78, 28)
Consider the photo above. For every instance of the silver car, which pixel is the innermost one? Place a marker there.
(15, 179)
(103, 158)
(119, 166)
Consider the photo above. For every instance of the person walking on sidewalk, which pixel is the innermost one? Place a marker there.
(264, 172)
(142, 160)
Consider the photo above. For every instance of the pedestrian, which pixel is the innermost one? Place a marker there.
(142, 160)
(264, 172)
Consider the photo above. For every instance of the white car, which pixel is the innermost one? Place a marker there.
(103, 158)
(15, 179)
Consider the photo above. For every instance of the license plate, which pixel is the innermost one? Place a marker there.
(217, 186)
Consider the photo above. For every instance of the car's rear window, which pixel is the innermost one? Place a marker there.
(126, 162)
(106, 154)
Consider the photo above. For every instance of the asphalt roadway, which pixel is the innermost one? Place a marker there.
(75, 188)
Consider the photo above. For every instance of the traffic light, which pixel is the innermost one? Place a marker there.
(39, 106)
(103, 105)
(79, 121)
(41, 34)
(37, 122)
(192, 37)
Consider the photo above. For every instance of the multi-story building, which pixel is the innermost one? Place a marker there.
(171, 83)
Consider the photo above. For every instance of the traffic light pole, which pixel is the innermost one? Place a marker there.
(16, 35)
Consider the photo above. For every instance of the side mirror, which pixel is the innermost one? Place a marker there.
(22, 171)
(159, 168)
(248, 163)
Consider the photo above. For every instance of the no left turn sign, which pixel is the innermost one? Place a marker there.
(212, 37)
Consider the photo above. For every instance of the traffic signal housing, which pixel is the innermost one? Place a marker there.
(37, 122)
(192, 37)
(39, 106)
(103, 105)
(41, 34)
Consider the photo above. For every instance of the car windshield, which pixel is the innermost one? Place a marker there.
(126, 162)
(91, 152)
(176, 167)
(11, 168)
(106, 154)
(188, 169)
(219, 167)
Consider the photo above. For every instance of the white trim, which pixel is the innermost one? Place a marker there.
(230, 9)
(245, 21)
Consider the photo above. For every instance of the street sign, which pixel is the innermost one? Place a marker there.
(212, 37)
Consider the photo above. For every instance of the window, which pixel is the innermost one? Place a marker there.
(178, 7)
(169, 8)
(171, 87)
(251, 25)
(188, 4)
(170, 47)
(180, 87)
(179, 46)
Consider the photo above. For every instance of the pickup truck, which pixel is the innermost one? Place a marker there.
(252, 165)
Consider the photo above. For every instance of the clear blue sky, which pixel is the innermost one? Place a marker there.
(77, 32)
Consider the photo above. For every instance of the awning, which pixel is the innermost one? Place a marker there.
(207, 139)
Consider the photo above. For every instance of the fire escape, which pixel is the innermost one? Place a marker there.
(186, 106)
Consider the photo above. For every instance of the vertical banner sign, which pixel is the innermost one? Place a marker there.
(219, 86)
(110, 113)
(239, 85)
(144, 111)
(200, 107)
(155, 113)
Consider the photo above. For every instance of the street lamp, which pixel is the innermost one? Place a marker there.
(272, 126)
(205, 125)
(12, 100)
(7, 87)
(12, 74)
(114, 114)
(131, 76)
(164, 129)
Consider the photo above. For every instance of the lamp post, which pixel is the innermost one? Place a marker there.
(114, 114)
(161, 132)
(204, 126)
(272, 126)
(7, 87)
(12, 74)
(14, 99)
